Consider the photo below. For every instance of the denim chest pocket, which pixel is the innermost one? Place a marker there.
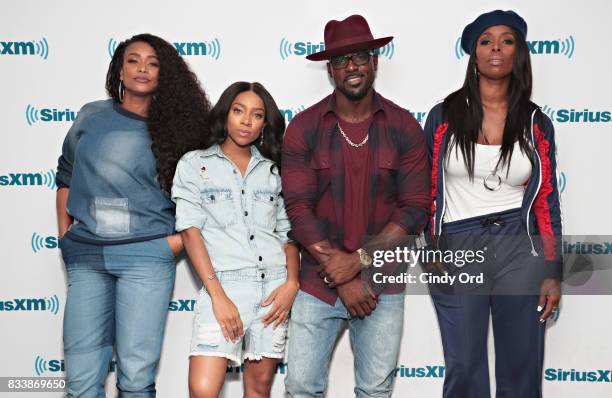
(112, 216)
(219, 204)
(264, 208)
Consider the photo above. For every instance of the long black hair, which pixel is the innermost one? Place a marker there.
(274, 128)
(178, 114)
(463, 109)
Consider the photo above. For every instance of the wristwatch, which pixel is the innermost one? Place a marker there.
(364, 258)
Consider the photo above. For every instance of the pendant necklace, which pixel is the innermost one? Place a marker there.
(492, 181)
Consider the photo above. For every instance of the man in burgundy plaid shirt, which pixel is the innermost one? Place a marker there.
(354, 165)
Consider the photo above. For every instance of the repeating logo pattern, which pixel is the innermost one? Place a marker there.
(182, 305)
(39, 242)
(29, 179)
(38, 47)
(564, 47)
(562, 182)
(43, 304)
(42, 365)
(571, 115)
(387, 50)
(290, 113)
(210, 48)
(34, 115)
(302, 49)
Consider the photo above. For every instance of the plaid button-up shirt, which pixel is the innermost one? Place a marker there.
(313, 179)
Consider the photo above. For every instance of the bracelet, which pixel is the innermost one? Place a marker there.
(211, 277)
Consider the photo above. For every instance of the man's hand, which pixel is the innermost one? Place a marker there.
(357, 297)
(340, 266)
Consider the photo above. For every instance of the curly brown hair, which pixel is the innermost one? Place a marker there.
(178, 114)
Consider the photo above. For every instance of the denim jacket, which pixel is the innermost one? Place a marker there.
(242, 219)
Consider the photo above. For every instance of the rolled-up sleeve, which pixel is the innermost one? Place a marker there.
(186, 193)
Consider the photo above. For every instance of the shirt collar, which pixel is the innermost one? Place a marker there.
(216, 150)
(377, 104)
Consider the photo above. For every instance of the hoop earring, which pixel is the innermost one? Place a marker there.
(121, 90)
(476, 72)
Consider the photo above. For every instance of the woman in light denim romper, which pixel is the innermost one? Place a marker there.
(231, 215)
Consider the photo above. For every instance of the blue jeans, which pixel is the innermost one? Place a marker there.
(117, 295)
(375, 340)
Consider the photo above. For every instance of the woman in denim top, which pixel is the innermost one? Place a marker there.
(231, 215)
(116, 219)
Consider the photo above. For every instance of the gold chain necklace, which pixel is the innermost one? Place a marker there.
(351, 143)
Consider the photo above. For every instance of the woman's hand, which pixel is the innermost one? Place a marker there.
(550, 295)
(228, 317)
(176, 243)
(282, 297)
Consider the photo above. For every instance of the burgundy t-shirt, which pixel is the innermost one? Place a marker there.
(356, 179)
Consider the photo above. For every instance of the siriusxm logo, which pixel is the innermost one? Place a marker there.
(592, 376)
(431, 371)
(302, 49)
(31, 304)
(555, 314)
(182, 305)
(563, 47)
(564, 115)
(290, 113)
(42, 366)
(28, 179)
(38, 242)
(34, 47)
(419, 116)
(34, 115)
(562, 182)
(211, 48)
(587, 248)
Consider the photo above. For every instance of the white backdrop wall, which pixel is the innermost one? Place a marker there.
(54, 57)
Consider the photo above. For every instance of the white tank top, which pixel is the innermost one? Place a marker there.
(465, 198)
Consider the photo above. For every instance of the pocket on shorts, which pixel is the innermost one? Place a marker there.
(112, 216)
(220, 205)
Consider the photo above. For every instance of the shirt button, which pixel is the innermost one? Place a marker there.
(252, 237)
(246, 213)
(242, 191)
(260, 258)
(263, 275)
(234, 171)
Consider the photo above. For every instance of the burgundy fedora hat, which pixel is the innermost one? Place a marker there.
(351, 34)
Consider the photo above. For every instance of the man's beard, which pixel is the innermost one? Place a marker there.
(355, 95)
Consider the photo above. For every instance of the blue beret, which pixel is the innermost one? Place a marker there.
(493, 18)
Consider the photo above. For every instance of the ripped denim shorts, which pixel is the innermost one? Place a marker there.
(247, 288)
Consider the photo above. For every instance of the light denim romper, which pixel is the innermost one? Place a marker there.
(244, 226)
